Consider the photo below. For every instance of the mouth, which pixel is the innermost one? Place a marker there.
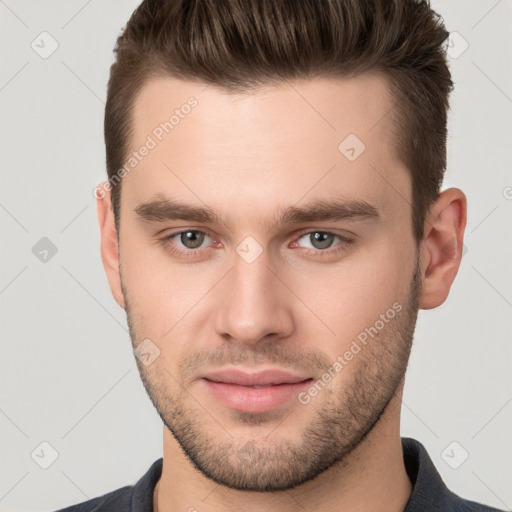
(264, 378)
(254, 392)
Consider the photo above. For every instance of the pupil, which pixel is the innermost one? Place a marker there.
(322, 240)
(192, 239)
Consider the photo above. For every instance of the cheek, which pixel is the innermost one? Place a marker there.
(350, 297)
(170, 303)
(337, 301)
(157, 291)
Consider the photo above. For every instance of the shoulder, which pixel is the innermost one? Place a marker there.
(120, 499)
(131, 498)
(458, 504)
(462, 505)
(429, 492)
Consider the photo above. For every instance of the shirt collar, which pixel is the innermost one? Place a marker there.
(429, 491)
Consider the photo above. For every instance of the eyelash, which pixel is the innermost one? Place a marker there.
(191, 253)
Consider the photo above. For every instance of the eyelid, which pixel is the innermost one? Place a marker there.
(345, 241)
(307, 231)
(177, 233)
(296, 235)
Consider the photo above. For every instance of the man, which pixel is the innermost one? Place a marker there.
(272, 223)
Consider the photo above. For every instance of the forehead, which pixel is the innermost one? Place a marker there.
(321, 107)
(300, 137)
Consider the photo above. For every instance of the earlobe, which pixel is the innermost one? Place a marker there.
(441, 248)
(109, 245)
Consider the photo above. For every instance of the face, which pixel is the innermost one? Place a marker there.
(267, 258)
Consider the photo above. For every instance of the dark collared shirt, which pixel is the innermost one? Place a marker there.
(429, 493)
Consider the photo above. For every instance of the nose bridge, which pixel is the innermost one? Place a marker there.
(252, 304)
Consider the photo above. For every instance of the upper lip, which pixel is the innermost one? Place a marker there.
(261, 378)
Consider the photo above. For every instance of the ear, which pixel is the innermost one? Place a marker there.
(441, 248)
(109, 241)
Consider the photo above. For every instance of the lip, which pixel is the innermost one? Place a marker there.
(236, 389)
(261, 378)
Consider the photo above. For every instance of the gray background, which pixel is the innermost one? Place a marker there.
(68, 376)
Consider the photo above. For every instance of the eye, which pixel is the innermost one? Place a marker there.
(322, 240)
(191, 239)
(187, 243)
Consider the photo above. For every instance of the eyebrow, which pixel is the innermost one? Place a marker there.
(161, 209)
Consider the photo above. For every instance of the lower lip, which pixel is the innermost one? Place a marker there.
(247, 399)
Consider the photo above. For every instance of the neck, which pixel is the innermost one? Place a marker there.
(372, 477)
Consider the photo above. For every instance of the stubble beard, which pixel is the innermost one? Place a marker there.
(264, 460)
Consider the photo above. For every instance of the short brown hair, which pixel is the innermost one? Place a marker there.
(240, 45)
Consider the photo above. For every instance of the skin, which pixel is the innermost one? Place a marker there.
(248, 157)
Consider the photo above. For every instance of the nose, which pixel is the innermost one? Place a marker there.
(253, 304)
